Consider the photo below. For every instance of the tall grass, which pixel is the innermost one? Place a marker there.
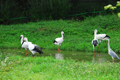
(78, 34)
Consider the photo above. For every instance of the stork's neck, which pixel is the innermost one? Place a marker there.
(108, 44)
(95, 34)
(27, 41)
(62, 35)
(21, 40)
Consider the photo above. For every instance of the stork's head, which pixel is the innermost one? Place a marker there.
(62, 32)
(25, 39)
(95, 31)
(21, 36)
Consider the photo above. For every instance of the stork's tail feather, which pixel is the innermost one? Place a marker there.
(54, 41)
(37, 49)
(107, 36)
(40, 52)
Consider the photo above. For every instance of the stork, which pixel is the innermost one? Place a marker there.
(100, 36)
(32, 47)
(24, 45)
(111, 52)
(58, 41)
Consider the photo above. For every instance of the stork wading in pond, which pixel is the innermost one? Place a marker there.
(32, 47)
(58, 41)
(24, 45)
(111, 52)
(100, 37)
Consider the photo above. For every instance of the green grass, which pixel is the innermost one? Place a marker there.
(78, 34)
(15, 66)
(18, 67)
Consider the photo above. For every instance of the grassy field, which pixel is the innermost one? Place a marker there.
(18, 67)
(78, 34)
(78, 37)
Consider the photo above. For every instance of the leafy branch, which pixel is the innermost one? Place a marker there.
(113, 8)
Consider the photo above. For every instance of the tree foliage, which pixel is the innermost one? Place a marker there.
(34, 10)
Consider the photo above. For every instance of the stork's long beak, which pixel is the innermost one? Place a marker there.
(23, 42)
(20, 38)
(63, 35)
(93, 33)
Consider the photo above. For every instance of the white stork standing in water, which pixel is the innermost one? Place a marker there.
(32, 47)
(58, 41)
(100, 37)
(24, 45)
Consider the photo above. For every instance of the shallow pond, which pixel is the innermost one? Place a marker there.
(76, 55)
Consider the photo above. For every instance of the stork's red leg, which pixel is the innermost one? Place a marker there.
(27, 53)
(59, 49)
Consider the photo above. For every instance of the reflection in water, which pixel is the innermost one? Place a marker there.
(98, 58)
(76, 55)
(59, 56)
(93, 60)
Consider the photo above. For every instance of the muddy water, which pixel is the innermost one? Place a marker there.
(79, 56)
(76, 55)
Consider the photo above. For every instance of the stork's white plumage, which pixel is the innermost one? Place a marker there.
(100, 36)
(24, 45)
(58, 41)
(32, 47)
(111, 52)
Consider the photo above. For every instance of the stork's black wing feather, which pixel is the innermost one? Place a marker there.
(55, 41)
(37, 49)
(107, 36)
